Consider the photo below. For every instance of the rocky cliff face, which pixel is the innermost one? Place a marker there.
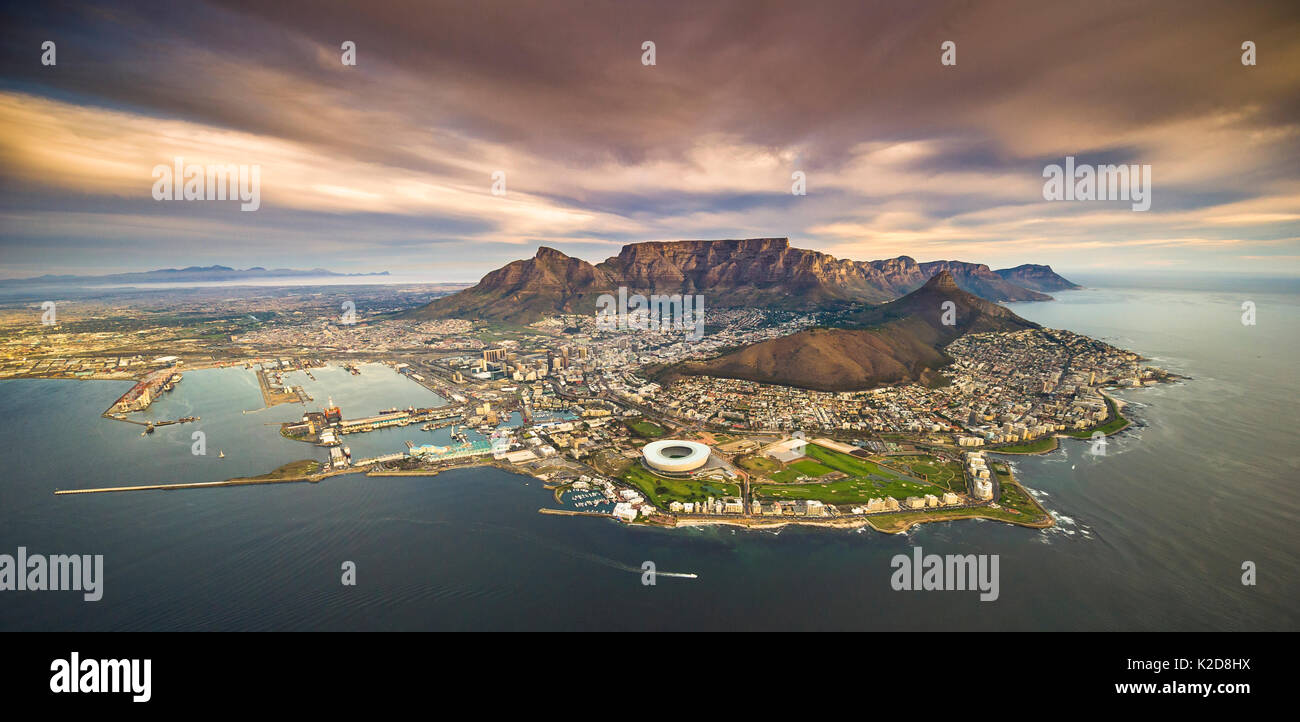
(756, 269)
(980, 280)
(754, 272)
(970, 313)
(1038, 278)
(523, 291)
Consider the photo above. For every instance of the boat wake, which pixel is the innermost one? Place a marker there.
(537, 541)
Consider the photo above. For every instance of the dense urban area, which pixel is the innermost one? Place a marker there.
(584, 408)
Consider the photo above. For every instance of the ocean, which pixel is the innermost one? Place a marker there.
(1151, 536)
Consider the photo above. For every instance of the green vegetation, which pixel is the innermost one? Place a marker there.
(866, 480)
(844, 491)
(1014, 498)
(493, 331)
(808, 467)
(1116, 423)
(758, 464)
(900, 522)
(288, 471)
(662, 490)
(646, 429)
(947, 474)
(1037, 446)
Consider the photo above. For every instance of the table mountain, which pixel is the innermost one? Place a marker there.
(755, 272)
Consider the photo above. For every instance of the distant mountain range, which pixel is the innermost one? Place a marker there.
(892, 343)
(1038, 278)
(181, 275)
(749, 273)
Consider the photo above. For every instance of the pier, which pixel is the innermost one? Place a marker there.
(144, 393)
(568, 512)
(151, 425)
(274, 392)
(271, 478)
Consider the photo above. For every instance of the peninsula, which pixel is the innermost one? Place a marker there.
(825, 392)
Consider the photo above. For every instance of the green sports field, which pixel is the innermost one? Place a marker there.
(646, 429)
(808, 467)
(865, 480)
(661, 490)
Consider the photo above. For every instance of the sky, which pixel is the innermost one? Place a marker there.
(389, 163)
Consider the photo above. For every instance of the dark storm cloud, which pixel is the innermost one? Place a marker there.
(445, 92)
(565, 79)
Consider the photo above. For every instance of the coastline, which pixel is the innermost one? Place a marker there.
(895, 522)
(1118, 405)
(858, 522)
(902, 520)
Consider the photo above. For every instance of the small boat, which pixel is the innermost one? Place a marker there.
(221, 454)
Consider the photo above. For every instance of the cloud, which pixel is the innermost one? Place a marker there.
(902, 154)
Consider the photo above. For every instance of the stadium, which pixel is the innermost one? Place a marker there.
(673, 457)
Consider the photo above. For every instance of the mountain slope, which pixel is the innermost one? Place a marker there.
(1038, 278)
(755, 272)
(892, 343)
(524, 291)
(970, 313)
(980, 280)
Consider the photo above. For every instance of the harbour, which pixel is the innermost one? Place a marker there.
(1118, 556)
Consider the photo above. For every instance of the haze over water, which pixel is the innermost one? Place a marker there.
(1152, 535)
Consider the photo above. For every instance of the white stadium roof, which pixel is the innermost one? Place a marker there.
(674, 455)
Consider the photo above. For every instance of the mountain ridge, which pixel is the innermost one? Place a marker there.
(731, 273)
(1037, 278)
(893, 343)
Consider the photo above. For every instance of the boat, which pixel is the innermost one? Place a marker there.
(221, 454)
